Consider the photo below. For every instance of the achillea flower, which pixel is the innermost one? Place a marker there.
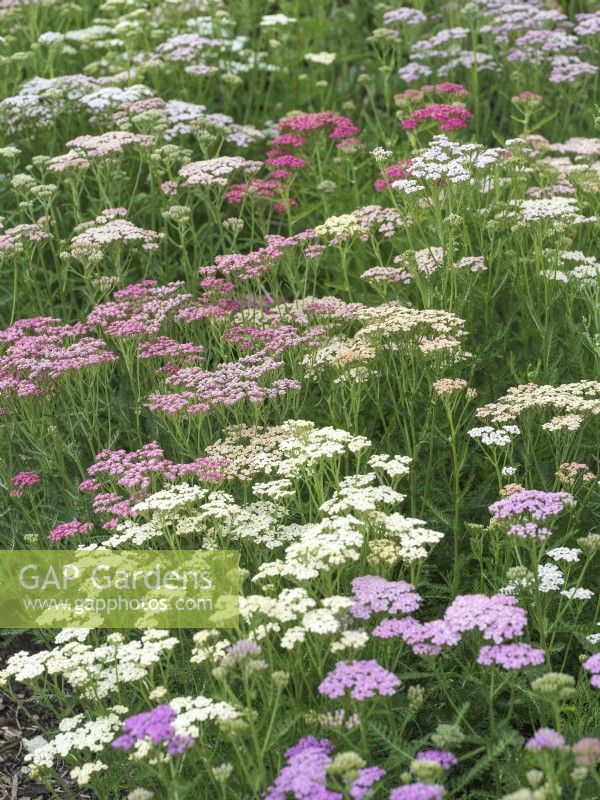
(546, 739)
(110, 230)
(570, 471)
(393, 173)
(85, 149)
(304, 776)
(447, 117)
(73, 528)
(322, 57)
(587, 752)
(511, 656)
(418, 791)
(497, 618)
(528, 530)
(567, 69)
(592, 665)
(581, 398)
(363, 679)
(372, 595)
(568, 554)
(216, 171)
(472, 264)
(261, 188)
(500, 437)
(21, 481)
(404, 16)
(13, 239)
(444, 758)
(341, 127)
(136, 469)
(41, 350)
(446, 386)
(457, 89)
(533, 504)
(250, 378)
(165, 347)
(392, 275)
(155, 726)
(527, 98)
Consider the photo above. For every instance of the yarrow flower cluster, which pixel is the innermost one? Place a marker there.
(447, 117)
(22, 481)
(305, 774)
(362, 679)
(155, 726)
(215, 340)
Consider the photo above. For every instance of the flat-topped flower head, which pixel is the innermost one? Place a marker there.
(532, 504)
(418, 791)
(546, 739)
(372, 595)
(155, 726)
(361, 679)
(511, 656)
(307, 767)
(444, 758)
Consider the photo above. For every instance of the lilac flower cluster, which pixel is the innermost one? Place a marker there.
(528, 33)
(546, 739)
(155, 726)
(304, 776)
(511, 656)
(418, 791)
(498, 618)
(374, 595)
(363, 679)
(592, 665)
(536, 504)
(444, 758)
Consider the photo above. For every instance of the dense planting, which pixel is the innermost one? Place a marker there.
(318, 282)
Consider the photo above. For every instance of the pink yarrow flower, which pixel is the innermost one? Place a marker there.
(22, 481)
(66, 529)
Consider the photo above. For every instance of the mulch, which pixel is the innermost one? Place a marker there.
(21, 721)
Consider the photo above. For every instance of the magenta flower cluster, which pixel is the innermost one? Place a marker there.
(447, 117)
(21, 481)
(67, 529)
